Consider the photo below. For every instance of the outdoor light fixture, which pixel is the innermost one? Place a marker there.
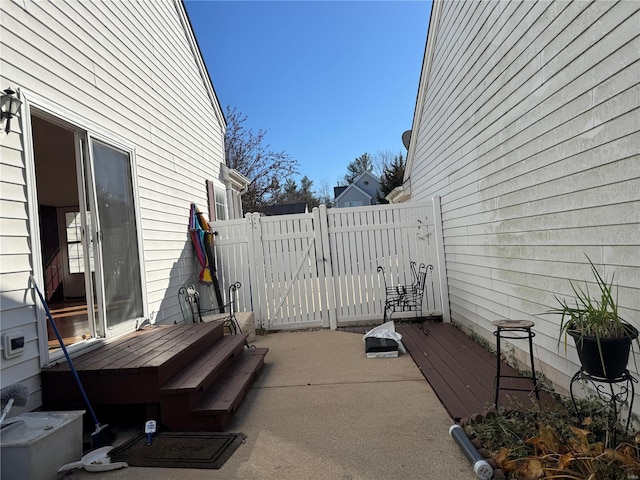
(10, 107)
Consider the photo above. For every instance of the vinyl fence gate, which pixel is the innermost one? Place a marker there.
(319, 269)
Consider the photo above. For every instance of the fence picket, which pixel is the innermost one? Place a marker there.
(440, 266)
(328, 279)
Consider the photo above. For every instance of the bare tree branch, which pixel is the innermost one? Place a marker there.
(248, 153)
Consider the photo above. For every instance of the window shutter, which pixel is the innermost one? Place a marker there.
(211, 200)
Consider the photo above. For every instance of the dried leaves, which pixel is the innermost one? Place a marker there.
(572, 458)
(530, 443)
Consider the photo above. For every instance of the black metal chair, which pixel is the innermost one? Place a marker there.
(192, 311)
(405, 298)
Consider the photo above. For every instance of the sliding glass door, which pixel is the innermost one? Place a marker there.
(115, 229)
(85, 202)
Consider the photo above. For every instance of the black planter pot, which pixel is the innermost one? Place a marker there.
(615, 353)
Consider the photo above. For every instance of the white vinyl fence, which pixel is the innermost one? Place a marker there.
(320, 269)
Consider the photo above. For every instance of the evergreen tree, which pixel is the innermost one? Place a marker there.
(292, 193)
(364, 163)
(392, 176)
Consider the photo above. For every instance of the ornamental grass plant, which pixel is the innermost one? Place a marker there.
(594, 316)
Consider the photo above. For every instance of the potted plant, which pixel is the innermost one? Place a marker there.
(603, 339)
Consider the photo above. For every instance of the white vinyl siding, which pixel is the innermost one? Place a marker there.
(528, 127)
(17, 312)
(117, 67)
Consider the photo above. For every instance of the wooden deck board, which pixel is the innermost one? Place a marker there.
(440, 366)
(459, 364)
(145, 349)
(155, 354)
(115, 350)
(435, 378)
(139, 349)
(118, 348)
(460, 371)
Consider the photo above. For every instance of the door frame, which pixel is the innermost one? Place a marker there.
(57, 114)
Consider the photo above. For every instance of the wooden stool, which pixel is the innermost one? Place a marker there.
(515, 330)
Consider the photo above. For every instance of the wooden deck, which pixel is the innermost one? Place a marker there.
(192, 376)
(462, 372)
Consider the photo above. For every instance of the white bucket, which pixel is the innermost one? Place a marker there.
(34, 445)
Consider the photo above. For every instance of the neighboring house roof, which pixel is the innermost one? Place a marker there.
(338, 190)
(351, 188)
(361, 179)
(364, 175)
(286, 209)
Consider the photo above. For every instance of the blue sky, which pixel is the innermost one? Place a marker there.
(327, 80)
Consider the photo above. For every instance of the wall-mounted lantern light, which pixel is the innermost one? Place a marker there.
(10, 107)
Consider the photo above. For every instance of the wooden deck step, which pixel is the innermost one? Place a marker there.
(202, 372)
(211, 409)
(233, 385)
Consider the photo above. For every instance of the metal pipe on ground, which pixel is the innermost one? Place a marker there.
(480, 466)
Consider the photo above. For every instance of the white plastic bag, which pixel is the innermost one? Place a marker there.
(386, 330)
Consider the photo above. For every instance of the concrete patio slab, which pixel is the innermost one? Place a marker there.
(321, 410)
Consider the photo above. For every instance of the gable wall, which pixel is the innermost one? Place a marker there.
(372, 188)
(353, 195)
(116, 66)
(529, 130)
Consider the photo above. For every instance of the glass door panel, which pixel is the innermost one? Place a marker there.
(88, 245)
(117, 234)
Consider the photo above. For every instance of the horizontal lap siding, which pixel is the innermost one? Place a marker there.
(530, 133)
(120, 65)
(16, 309)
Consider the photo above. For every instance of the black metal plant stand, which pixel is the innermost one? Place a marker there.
(622, 394)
